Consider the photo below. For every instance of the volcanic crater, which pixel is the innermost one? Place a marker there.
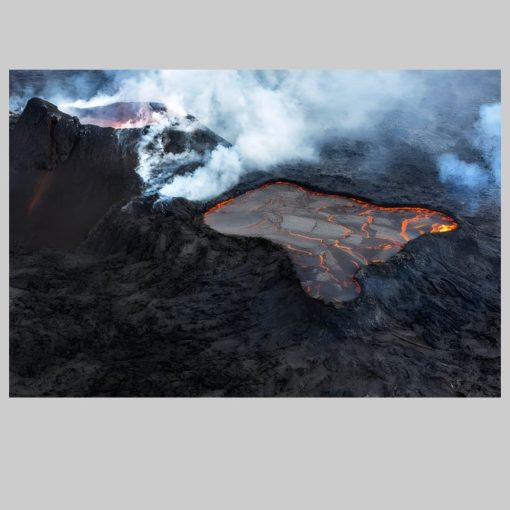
(121, 115)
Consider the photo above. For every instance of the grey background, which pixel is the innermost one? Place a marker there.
(273, 453)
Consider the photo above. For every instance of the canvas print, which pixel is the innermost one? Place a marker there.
(255, 233)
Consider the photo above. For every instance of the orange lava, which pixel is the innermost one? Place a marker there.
(218, 206)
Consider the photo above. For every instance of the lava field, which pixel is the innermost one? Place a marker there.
(327, 278)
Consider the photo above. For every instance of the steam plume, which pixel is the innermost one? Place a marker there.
(270, 117)
(274, 117)
(485, 137)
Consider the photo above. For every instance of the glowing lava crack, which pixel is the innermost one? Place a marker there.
(328, 237)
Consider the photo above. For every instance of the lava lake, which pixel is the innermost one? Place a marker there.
(328, 237)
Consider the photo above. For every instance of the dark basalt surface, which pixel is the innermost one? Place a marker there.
(155, 303)
(64, 176)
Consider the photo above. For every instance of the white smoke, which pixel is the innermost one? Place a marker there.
(455, 171)
(222, 172)
(270, 117)
(486, 138)
(156, 166)
(274, 117)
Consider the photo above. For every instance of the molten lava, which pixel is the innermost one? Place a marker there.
(121, 115)
(328, 237)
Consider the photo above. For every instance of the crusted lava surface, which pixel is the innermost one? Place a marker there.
(328, 237)
(148, 300)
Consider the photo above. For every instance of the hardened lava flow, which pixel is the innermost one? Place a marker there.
(328, 237)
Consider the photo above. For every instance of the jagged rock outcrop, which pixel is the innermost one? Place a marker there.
(65, 176)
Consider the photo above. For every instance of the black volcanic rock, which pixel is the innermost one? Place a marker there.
(200, 140)
(149, 307)
(65, 176)
(13, 118)
(155, 303)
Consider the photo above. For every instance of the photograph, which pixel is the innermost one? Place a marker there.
(255, 233)
(254, 255)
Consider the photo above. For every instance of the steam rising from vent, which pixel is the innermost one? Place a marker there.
(220, 173)
(282, 117)
(121, 115)
(455, 171)
(156, 166)
(485, 138)
(270, 118)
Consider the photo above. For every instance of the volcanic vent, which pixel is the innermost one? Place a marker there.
(121, 115)
(328, 237)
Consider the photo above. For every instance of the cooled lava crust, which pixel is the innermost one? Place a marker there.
(328, 237)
